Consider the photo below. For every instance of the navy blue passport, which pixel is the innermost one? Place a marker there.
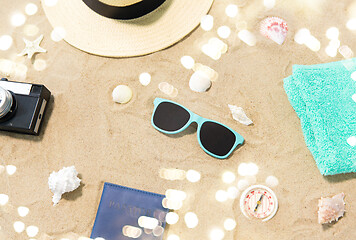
(119, 210)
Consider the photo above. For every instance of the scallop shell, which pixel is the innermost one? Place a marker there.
(199, 82)
(331, 209)
(65, 180)
(122, 94)
(275, 29)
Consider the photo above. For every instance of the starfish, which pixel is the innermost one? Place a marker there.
(32, 47)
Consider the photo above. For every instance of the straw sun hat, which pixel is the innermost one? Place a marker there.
(123, 28)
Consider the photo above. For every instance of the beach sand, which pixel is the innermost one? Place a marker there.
(109, 142)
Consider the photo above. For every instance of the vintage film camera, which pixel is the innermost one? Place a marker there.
(22, 106)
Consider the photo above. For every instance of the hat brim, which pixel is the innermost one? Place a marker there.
(95, 34)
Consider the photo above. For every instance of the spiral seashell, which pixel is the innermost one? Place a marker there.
(63, 181)
(331, 209)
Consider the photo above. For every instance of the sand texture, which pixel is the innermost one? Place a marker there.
(109, 142)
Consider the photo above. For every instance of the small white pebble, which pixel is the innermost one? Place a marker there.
(23, 211)
(3, 199)
(145, 78)
(32, 231)
(231, 10)
(19, 226)
(10, 169)
(207, 22)
(187, 62)
(224, 32)
(122, 94)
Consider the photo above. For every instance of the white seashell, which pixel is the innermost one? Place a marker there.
(331, 209)
(122, 94)
(199, 82)
(145, 78)
(63, 181)
(275, 29)
(239, 115)
(166, 88)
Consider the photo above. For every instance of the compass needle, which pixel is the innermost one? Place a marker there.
(258, 203)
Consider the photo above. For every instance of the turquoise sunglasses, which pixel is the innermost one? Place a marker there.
(214, 138)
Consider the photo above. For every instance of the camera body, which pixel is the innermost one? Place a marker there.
(22, 106)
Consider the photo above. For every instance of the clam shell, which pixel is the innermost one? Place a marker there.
(122, 94)
(199, 82)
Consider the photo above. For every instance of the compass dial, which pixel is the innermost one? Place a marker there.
(259, 202)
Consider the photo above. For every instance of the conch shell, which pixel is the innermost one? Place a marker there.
(63, 181)
(331, 209)
(239, 115)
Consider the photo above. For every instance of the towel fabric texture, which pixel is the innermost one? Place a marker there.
(322, 96)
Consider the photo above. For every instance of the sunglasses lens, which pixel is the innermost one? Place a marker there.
(216, 138)
(170, 117)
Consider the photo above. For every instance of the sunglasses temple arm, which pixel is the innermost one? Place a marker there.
(239, 139)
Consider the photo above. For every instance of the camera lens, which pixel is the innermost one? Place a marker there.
(6, 101)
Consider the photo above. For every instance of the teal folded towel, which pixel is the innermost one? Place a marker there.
(322, 96)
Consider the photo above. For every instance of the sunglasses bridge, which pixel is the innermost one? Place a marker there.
(196, 118)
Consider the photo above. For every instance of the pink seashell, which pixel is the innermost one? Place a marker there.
(275, 29)
(331, 209)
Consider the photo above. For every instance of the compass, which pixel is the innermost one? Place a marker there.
(259, 202)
